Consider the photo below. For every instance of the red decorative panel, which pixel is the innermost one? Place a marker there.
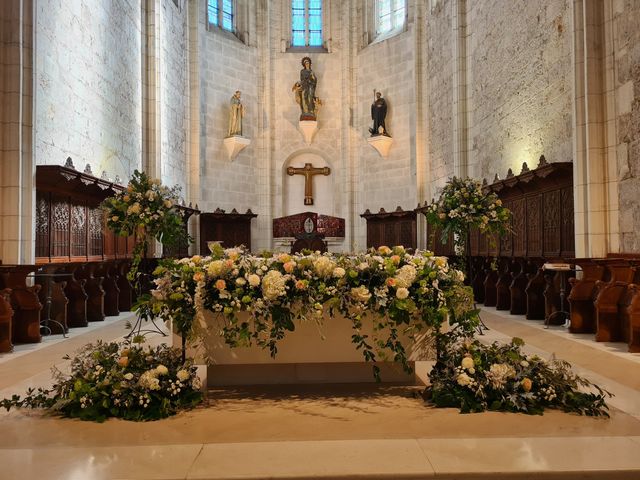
(551, 223)
(534, 226)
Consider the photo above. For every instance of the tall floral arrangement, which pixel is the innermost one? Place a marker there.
(463, 205)
(148, 210)
(400, 293)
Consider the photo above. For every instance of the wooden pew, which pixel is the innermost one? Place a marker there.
(535, 291)
(125, 297)
(630, 308)
(107, 270)
(6, 315)
(609, 325)
(26, 306)
(490, 292)
(479, 275)
(518, 287)
(94, 290)
(75, 292)
(582, 295)
(58, 300)
(503, 284)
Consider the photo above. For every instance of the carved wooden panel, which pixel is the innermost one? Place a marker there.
(518, 224)
(60, 226)
(96, 244)
(391, 229)
(42, 224)
(506, 242)
(551, 223)
(474, 240)
(78, 230)
(534, 225)
(568, 235)
(232, 230)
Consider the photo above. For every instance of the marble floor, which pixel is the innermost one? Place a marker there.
(331, 431)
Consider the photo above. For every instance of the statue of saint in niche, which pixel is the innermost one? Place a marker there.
(235, 115)
(305, 91)
(378, 114)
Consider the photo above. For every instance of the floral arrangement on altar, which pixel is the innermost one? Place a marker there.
(400, 293)
(148, 210)
(475, 377)
(120, 380)
(462, 205)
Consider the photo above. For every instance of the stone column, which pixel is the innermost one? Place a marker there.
(595, 174)
(17, 166)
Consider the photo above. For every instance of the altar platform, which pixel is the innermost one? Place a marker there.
(348, 431)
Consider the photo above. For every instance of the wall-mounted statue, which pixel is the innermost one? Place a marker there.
(305, 91)
(235, 115)
(378, 114)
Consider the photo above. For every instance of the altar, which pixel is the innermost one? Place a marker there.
(310, 354)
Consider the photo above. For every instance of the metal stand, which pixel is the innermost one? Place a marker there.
(143, 285)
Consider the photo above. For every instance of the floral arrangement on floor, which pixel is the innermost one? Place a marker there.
(475, 377)
(400, 293)
(120, 380)
(462, 205)
(148, 210)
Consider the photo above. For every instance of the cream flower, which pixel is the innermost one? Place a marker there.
(241, 282)
(273, 285)
(128, 376)
(339, 272)
(402, 293)
(467, 363)
(254, 280)
(216, 268)
(182, 375)
(360, 294)
(464, 380)
(162, 370)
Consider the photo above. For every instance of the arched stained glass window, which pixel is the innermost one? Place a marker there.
(390, 16)
(306, 23)
(220, 14)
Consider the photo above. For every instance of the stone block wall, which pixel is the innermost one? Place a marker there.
(520, 75)
(626, 39)
(226, 65)
(174, 93)
(88, 85)
(440, 65)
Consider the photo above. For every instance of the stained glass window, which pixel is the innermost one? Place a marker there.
(306, 23)
(390, 15)
(220, 13)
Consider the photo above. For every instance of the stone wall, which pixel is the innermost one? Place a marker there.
(520, 76)
(88, 84)
(174, 93)
(626, 18)
(440, 67)
(226, 65)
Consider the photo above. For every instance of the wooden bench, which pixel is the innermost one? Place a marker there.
(6, 315)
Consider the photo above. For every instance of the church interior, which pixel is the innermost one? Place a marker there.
(326, 125)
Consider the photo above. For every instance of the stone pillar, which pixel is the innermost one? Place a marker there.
(17, 166)
(595, 169)
(193, 133)
(460, 90)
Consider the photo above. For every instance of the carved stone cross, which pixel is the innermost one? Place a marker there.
(308, 171)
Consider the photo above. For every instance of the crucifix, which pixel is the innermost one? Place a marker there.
(308, 171)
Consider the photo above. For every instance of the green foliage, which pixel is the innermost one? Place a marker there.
(149, 211)
(475, 377)
(119, 380)
(462, 205)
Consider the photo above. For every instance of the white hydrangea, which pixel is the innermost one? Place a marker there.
(274, 285)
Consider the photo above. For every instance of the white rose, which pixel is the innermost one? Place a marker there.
(464, 379)
(241, 282)
(402, 293)
(162, 370)
(524, 363)
(128, 376)
(182, 375)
